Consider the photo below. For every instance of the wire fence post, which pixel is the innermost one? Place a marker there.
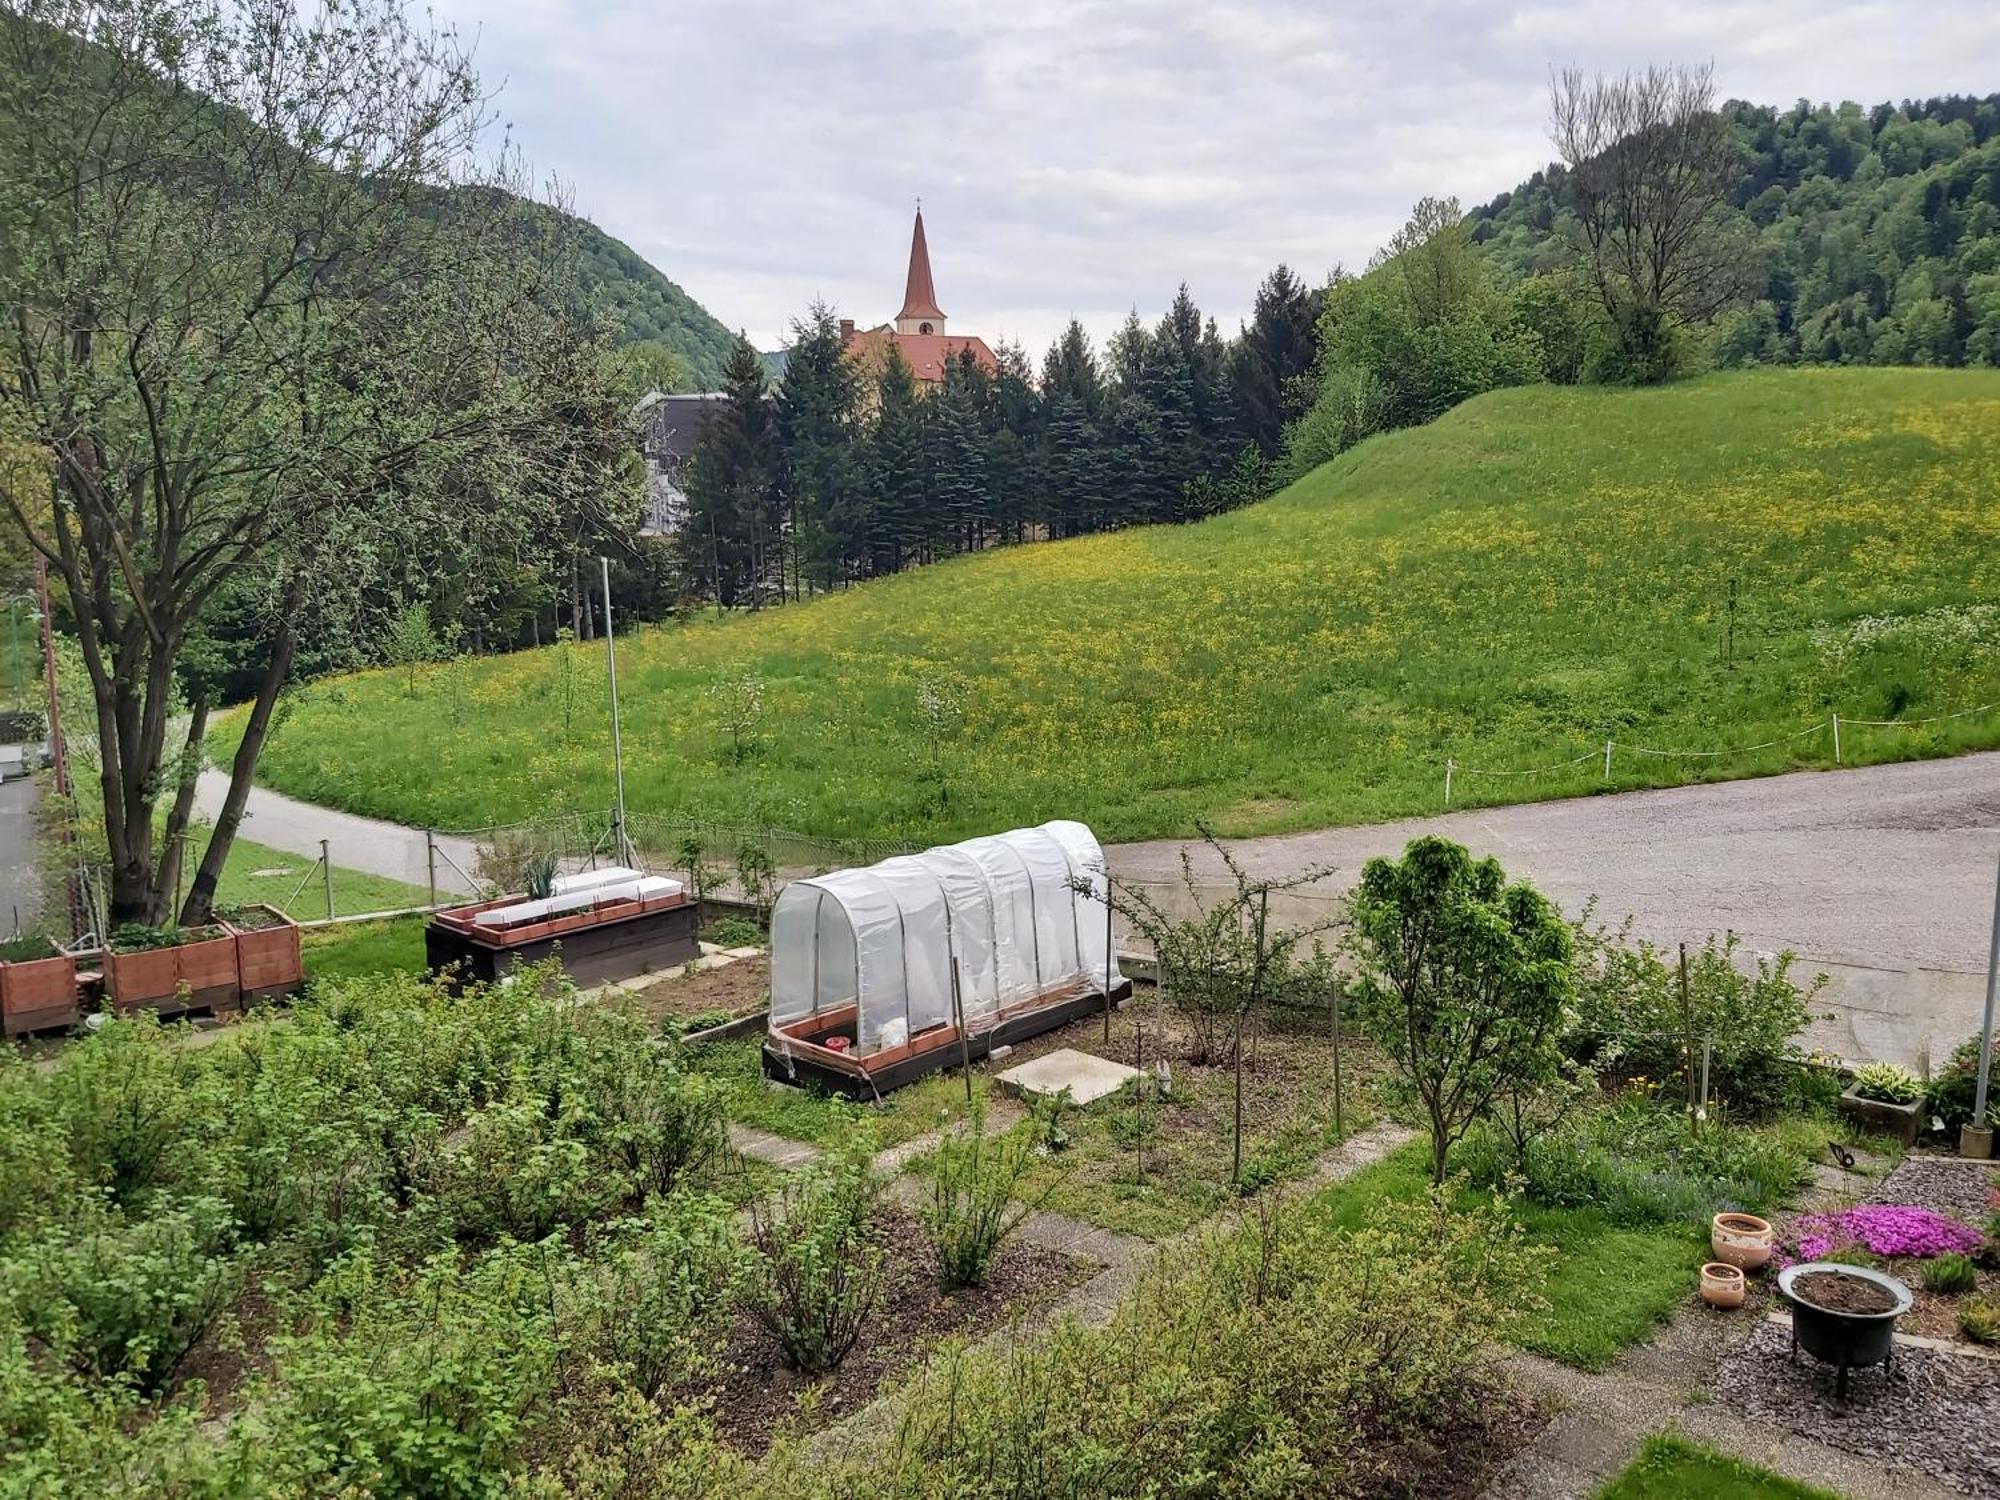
(1836, 739)
(326, 868)
(431, 862)
(1607, 760)
(1449, 767)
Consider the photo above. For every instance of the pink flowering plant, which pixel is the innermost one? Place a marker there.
(1893, 1231)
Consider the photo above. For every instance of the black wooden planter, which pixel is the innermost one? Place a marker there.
(620, 941)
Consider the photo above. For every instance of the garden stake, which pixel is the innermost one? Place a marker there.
(958, 1019)
(1687, 1039)
(1339, 1128)
(326, 866)
(1107, 953)
(1139, 1096)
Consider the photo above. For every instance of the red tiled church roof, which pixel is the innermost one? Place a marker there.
(919, 295)
(929, 354)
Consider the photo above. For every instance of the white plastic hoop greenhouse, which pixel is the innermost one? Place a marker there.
(862, 961)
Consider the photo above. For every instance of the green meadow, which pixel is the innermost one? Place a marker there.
(1711, 565)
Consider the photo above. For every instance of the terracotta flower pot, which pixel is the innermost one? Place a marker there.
(1742, 1240)
(1721, 1285)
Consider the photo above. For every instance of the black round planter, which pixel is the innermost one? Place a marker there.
(1844, 1340)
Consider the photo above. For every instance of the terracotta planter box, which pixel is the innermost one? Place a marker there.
(38, 995)
(1900, 1121)
(152, 979)
(269, 962)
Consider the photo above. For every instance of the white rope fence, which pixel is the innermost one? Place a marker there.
(1835, 723)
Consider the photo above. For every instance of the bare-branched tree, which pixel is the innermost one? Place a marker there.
(1651, 165)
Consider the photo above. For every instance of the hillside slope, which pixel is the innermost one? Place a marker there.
(1539, 570)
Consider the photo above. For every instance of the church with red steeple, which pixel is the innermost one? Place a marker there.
(918, 333)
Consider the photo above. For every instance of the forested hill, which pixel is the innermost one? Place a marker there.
(685, 345)
(1879, 232)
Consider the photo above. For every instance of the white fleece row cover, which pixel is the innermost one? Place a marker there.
(1008, 909)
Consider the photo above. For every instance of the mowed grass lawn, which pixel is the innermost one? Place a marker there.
(1671, 1468)
(1538, 571)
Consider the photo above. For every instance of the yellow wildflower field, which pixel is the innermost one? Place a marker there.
(1711, 565)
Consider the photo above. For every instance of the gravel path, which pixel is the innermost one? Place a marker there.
(1937, 1413)
(1945, 1185)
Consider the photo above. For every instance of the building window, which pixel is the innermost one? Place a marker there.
(923, 328)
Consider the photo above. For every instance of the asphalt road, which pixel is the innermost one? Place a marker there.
(1884, 864)
(20, 882)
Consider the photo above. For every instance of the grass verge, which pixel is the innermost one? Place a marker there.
(1669, 1467)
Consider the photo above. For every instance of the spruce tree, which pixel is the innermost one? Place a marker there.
(961, 485)
(904, 531)
(818, 458)
(732, 522)
(1272, 362)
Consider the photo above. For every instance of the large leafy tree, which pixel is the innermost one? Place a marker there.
(265, 357)
(1464, 980)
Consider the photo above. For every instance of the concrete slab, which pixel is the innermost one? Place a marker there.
(1087, 1078)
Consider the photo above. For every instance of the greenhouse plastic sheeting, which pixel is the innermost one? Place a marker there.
(1005, 909)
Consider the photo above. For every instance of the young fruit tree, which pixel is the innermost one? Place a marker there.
(276, 339)
(1463, 978)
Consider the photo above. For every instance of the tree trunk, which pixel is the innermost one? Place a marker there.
(201, 895)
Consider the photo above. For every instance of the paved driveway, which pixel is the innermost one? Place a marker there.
(1883, 876)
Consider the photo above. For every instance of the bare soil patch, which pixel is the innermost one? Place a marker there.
(734, 989)
(760, 1391)
(1838, 1292)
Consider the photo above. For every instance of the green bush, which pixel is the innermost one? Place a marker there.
(1282, 1358)
(521, 1173)
(1953, 1090)
(123, 1094)
(970, 1208)
(659, 1122)
(127, 1297)
(654, 1304)
(734, 932)
(817, 1270)
(1950, 1275)
(1888, 1084)
(1636, 1162)
(1629, 1019)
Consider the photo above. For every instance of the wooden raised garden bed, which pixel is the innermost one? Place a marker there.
(270, 964)
(798, 1053)
(38, 994)
(604, 926)
(197, 973)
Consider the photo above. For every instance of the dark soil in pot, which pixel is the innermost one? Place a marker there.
(1844, 1294)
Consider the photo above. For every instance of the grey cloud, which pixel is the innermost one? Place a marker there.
(1085, 156)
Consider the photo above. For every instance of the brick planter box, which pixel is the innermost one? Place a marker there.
(269, 962)
(152, 978)
(1877, 1117)
(617, 940)
(38, 994)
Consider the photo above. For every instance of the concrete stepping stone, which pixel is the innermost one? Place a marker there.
(1087, 1078)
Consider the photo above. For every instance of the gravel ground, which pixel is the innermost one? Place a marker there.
(1937, 1413)
(1945, 1185)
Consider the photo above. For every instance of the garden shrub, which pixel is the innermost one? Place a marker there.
(1636, 1162)
(653, 1304)
(734, 932)
(661, 1121)
(1956, 1085)
(971, 1208)
(418, 1386)
(521, 1172)
(122, 1093)
(127, 1297)
(1212, 1379)
(817, 1270)
(1629, 1019)
(1979, 1319)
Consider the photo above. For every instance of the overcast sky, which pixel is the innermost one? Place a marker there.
(1081, 158)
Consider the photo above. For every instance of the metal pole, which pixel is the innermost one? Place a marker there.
(1707, 1054)
(617, 744)
(1107, 953)
(1339, 1123)
(1979, 1116)
(1449, 767)
(1607, 760)
(431, 863)
(326, 866)
(1836, 739)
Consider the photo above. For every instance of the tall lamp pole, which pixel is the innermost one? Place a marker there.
(623, 841)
